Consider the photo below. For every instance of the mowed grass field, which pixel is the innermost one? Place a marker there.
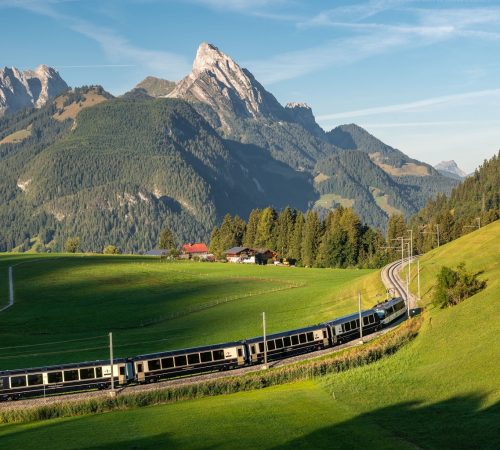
(441, 391)
(152, 305)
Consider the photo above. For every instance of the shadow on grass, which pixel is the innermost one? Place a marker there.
(456, 423)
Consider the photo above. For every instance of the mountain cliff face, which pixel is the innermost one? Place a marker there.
(29, 88)
(219, 82)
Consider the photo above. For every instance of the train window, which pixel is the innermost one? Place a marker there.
(167, 363)
(261, 347)
(295, 339)
(240, 352)
(271, 345)
(54, 377)
(98, 372)
(87, 373)
(366, 320)
(33, 380)
(287, 342)
(140, 368)
(324, 334)
(19, 381)
(206, 356)
(310, 336)
(122, 370)
(252, 349)
(154, 364)
(71, 375)
(347, 326)
(279, 343)
(218, 355)
(194, 358)
(302, 338)
(180, 360)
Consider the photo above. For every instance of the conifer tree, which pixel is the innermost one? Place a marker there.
(312, 235)
(265, 229)
(251, 228)
(295, 250)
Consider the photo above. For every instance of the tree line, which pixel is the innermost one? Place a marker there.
(338, 240)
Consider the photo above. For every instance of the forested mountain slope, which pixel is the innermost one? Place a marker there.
(129, 168)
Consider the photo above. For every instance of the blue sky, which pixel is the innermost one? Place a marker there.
(420, 75)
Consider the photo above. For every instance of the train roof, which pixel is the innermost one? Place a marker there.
(350, 317)
(102, 362)
(389, 303)
(186, 350)
(286, 333)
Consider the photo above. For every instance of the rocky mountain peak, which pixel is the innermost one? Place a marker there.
(302, 113)
(20, 89)
(217, 80)
(451, 167)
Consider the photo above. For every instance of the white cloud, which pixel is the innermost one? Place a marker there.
(117, 48)
(411, 106)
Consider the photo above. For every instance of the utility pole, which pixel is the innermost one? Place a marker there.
(479, 223)
(265, 339)
(111, 363)
(360, 319)
(418, 278)
(408, 284)
(437, 233)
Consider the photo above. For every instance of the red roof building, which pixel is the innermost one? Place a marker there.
(196, 249)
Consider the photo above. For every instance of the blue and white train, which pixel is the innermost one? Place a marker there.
(147, 368)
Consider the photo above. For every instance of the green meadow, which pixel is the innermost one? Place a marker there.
(440, 391)
(65, 305)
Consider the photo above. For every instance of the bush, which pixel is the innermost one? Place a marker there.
(72, 245)
(111, 250)
(454, 286)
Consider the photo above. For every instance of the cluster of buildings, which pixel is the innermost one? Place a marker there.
(245, 255)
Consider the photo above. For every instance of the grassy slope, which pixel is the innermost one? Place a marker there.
(61, 298)
(441, 391)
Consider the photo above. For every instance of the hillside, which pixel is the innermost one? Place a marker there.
(128, 168)
(475, 202)
(440, 391)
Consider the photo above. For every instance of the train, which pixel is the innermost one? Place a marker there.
(146, 368)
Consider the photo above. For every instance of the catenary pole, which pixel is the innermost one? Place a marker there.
(418, 278)
(111, 362)
(360, 319)
(265, 339)
(408, 283)
(437, 233)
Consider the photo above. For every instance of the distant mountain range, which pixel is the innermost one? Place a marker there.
(118, 170)
(450, 169)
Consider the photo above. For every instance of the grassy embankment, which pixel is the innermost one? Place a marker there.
(151, 305)
(440, 391)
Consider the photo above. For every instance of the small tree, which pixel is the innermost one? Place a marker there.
(72, 244)
(454, 286)
(111, 250)
(166, 241)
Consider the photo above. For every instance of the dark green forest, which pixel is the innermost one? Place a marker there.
(339, 240)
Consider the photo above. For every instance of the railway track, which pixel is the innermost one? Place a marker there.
(392, 280)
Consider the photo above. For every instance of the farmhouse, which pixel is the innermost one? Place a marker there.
(249, 255)
(198, 249)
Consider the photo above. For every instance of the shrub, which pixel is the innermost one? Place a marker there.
(111, 250)
(454, 286)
